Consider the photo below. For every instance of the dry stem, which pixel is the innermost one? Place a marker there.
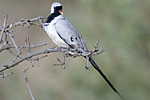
(26, 79)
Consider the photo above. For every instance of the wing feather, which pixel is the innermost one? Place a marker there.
(69, 34)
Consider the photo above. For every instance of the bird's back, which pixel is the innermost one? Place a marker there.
(69, 33)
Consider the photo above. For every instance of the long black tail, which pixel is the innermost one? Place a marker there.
(102, 74)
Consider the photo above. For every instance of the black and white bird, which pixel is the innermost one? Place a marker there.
(65, 35)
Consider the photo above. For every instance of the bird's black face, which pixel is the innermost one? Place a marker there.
(58, 9)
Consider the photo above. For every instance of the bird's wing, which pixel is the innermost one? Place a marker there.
(69, 34)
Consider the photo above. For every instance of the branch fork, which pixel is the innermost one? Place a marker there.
(7, 45)
(80, 52)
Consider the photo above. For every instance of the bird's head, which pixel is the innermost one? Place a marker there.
(56, 7)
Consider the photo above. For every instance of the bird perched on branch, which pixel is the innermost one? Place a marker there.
(65, 35)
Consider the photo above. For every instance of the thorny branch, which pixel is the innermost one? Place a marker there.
(16, 62)
(23, 23)
(7, 45)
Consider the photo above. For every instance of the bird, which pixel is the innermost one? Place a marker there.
(64, 34)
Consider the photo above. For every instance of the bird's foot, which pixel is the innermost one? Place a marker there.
(59, 49)
(63, 50)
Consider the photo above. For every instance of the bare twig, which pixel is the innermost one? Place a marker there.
(27, 41)
(23, 22)
(62, 64)
(13, 64)
(12, 39)
(8, 46)
(16, 55)
(5, 75)
(38, 58)
(5, 41)
(3, 29)
(41, 22)
(26, 79)
(34, 46)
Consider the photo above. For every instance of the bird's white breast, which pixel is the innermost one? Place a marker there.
(51, 31)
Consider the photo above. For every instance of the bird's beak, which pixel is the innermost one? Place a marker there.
(60, 12)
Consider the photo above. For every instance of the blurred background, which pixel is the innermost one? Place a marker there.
(123, 28)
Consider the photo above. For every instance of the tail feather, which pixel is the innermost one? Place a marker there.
(103, 75)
